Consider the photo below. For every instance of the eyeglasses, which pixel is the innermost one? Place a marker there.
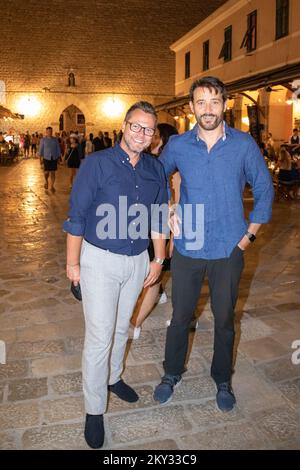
(135, 127)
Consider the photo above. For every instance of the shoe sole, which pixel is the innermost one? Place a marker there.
(170, 397)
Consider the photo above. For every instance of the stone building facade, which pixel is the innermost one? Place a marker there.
(253, 46)
(93, 56)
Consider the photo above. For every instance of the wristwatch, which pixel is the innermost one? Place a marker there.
(159, 260)
(250, 236)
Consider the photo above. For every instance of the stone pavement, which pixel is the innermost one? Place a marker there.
(41, 405)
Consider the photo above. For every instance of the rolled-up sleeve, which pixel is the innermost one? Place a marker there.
(83, 194)
(258, 176)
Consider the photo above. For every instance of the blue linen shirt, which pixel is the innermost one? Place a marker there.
(102, 178)
(49, 148)
(216, 180)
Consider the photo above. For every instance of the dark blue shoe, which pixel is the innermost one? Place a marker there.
(123, 391)
(164, 391)
(94, 431)
(225, 397)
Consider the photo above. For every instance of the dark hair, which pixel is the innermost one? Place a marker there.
(165, 131)
(49, 128)
(212, 83)
(295, 130)
(143, 106)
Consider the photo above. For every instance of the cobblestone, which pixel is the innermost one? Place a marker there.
(41, 400)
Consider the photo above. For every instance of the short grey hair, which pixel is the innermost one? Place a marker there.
(143, 106)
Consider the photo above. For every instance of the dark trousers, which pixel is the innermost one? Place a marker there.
(187, 278)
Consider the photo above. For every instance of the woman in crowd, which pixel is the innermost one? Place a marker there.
(72, 158)
(89, 148)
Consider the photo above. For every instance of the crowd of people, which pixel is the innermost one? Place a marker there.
(69, 148)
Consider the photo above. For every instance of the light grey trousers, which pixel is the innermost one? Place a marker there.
(110, 285)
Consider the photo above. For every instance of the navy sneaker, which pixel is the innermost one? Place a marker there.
(225, 397)
(94, 431)
(123, 391)
(164, 391)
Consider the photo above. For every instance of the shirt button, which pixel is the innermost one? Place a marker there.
(123, 161)
(136, 186)
(131, 241)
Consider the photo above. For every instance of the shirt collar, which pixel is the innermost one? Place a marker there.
(226, 131)
(122, 154)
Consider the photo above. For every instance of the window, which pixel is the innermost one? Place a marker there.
(282, 18)
(71, 79)
(205, 55)
(226, 51)
(80, 119)
(187, 65)
(249, 40)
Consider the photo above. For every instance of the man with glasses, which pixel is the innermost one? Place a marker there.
(114, 203)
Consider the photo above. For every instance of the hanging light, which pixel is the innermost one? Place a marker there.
(113, 107)
(29, 106)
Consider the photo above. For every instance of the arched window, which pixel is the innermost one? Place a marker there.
(2, 92)
(71, 79)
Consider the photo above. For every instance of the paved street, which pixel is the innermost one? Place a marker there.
(41, 404)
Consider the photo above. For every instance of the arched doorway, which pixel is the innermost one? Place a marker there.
(72, 119)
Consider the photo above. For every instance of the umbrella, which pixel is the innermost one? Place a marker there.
(6, 113)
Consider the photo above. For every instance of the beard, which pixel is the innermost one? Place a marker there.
(209, 122)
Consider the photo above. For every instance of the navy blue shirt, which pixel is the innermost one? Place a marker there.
(212, 183)
(108, 183)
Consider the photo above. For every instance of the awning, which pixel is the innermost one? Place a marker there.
(7, 113)
(280, 76)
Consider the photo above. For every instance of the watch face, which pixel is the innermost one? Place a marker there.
(251, 237)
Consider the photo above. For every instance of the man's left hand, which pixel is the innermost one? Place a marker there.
(154, 273)
(244, 243)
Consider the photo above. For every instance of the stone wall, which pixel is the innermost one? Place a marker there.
(111, 47)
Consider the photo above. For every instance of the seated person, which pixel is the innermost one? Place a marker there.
(286, 175)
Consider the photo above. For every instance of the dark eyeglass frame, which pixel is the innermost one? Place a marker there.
(148, 131)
